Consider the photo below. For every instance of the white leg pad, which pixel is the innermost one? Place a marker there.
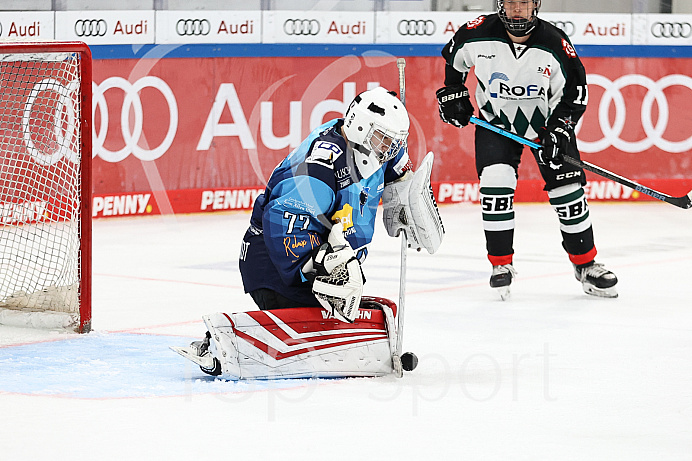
(223, 343)
(302, 342)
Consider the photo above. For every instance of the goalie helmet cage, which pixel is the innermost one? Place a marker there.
(45, 185)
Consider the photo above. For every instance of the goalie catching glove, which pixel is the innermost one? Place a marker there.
(409, 205)
(338, 284)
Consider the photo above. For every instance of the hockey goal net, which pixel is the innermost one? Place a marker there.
(45, 185)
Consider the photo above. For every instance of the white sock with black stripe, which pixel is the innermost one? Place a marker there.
(497, 186)
(569, 202)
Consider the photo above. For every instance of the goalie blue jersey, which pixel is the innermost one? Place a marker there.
(317, 185)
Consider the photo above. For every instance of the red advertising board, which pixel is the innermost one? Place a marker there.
(183, 130)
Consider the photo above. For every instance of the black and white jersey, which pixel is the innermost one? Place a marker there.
(521, 88)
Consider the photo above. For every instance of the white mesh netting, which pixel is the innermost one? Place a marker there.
(40, 178)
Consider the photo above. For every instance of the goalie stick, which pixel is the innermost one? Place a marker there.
(396, 355)
(683, 202)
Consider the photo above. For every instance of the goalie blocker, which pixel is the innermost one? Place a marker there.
(302, 342)
(409, 205)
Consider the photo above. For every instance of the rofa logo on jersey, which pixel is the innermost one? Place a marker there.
(345, 215)
(569, 49)
(475, 23)
(505, 91)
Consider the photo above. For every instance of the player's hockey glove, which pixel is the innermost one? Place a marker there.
(338, 284)
(455, 105)
(556, 141)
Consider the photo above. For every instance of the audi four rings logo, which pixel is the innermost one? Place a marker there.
(416, 27)
(132, 129)
(131, 120)
(566, 26)
(90, 27)
(193, 27)
(671, 29)
(64, 116)
(302, 27)
(654, 133)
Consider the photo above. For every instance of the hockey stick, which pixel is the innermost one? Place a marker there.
(683, 202)
(396, 356)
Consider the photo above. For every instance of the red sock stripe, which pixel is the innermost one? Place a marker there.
(500, 260)
(583, 259)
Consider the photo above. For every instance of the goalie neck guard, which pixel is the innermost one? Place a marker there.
(515, 25)
(377, 121)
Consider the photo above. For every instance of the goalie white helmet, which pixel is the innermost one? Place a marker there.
(378, 121)
(514, 20)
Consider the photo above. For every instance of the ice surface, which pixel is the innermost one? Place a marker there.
(551, 374)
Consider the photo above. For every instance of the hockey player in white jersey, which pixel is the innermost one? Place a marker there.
(301, 255)
(531, 82)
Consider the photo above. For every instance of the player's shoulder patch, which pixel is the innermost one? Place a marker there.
(474, 23)
(568, 49)
(324, 153)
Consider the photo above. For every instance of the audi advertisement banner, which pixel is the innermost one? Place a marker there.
(664, 29)
(594, 29)
(208, 26)
(96, 27)
(208, 138)
(420, 27)
(318, 27)
(439, 27)
(29, 25)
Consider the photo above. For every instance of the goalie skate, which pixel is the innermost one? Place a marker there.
(199, 353)
(596, 280)
(501, 279)
(206, 361)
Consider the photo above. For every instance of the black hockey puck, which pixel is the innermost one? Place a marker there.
(409, 361)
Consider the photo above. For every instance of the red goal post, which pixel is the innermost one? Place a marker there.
(45, 185)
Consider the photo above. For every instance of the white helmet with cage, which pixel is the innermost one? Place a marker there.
(518, 27)
(377, 121)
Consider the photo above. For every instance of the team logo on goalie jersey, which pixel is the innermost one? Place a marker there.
(363, 198)
(345, 215)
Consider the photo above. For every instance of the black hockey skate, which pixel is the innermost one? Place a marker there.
(596, 280)
(501, 279)
(199, 353)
